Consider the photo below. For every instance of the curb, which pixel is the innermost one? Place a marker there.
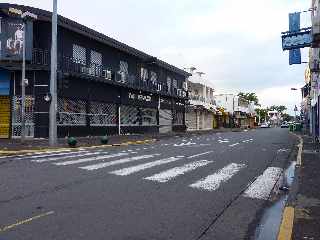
(286, 227)
(4, 153)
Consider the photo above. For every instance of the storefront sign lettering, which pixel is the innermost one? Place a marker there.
(140, 97)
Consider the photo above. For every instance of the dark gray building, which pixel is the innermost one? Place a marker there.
(103, 85)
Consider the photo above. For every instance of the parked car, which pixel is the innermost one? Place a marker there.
(265, 125)
(284, 125)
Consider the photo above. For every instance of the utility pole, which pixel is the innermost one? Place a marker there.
(23, 86)
(53, 79)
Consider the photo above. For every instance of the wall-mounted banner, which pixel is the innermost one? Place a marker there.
(294, 22)
(12, 39)
(294, 56)
(295, 40)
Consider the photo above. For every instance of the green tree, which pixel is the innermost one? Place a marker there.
(286, 117)
(263, 113)
(251, 97)
(281, 109)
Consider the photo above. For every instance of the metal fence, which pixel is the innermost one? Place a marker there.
(137, 116)
(17, 119)
(103, 114)
(71, 112)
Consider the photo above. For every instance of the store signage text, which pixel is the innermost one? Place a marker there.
(296, 40)
(140, 97)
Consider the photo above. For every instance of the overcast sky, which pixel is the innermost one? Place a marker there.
(236, 43)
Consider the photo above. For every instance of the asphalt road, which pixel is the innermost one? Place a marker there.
(211, 186)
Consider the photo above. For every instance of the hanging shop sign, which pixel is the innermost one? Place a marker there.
(4, 116)
(12, 39)
(297, 40)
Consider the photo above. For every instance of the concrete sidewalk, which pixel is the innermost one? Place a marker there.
(8, 145)
(307, 200)
(305, 194)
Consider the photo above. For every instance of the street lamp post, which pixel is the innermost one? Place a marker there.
(295, 112)
(53, 80)
(24, 16)
(23, 86)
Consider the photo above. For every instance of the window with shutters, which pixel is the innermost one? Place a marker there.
(144, 74)
(124, 71)
(175, 84)
(95, 63)
(79, 54)
(153, 77)
(169, 82)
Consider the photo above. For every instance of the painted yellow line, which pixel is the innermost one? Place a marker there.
(19, 152)
(6, 228)
(285, 231)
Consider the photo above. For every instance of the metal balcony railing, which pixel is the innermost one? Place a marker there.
(79, 67)
(202, 99)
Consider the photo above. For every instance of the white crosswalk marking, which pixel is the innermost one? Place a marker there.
(200, 154)
(262, 186)
(165, 176)
(55, 154)
(91, 159)
(140, 167)
(213, 182)
(52, 159)
(235, 144)
(116, 162)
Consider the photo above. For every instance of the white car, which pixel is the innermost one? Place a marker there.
(265, 125)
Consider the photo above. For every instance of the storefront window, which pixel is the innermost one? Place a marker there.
(79, 54)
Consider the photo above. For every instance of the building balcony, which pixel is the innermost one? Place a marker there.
(74, 67)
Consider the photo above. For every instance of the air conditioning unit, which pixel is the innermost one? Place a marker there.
(84, 69)
(107, 74)
(185, 86)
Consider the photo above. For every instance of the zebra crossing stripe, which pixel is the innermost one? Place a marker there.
(213, 182)
(166, 176)
(235, 144)
(53, 155)
(263, 185)
(116, 162)
(91, 159)
(141, 167)
(51, 159)
(200, 154)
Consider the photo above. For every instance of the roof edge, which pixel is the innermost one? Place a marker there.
(44, 15)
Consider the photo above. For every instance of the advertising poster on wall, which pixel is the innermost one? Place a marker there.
(12, 39)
